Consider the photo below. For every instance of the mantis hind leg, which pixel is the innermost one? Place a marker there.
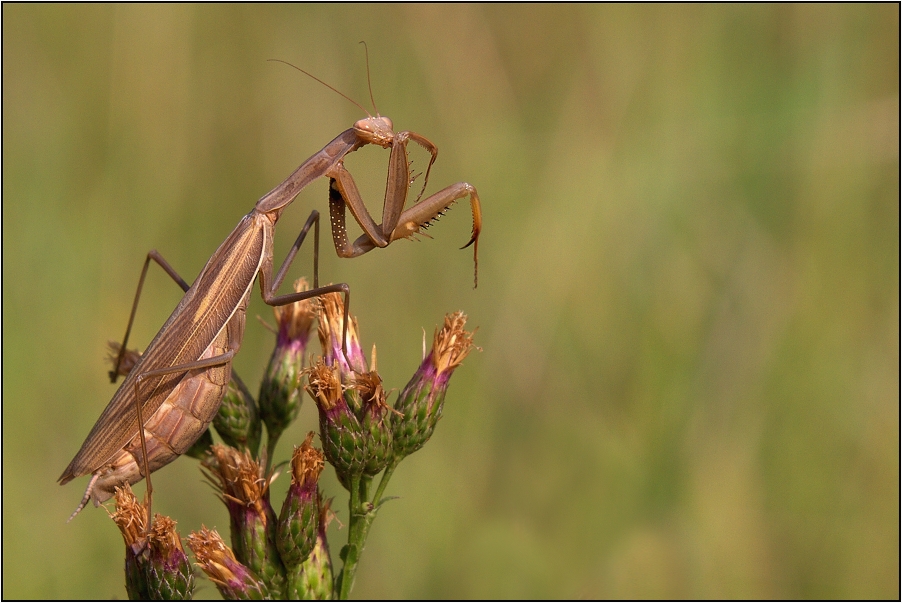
(154, 255)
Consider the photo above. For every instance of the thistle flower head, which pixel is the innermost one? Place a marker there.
(244, 488)
(331, 325)
(299, 518)
(373, 420)
(343, 438)
(156, 567)
(170, 576)
(295, 320)
(234, 580)
(419, 406)
(280, 391)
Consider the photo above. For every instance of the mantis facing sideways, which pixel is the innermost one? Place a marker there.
(170, 396)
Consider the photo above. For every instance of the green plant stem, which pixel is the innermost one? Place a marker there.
(386, 475)
(359, 528)
(365, 483)
(271, 450)
(351, 552)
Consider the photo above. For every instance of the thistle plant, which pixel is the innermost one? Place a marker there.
(287, 555)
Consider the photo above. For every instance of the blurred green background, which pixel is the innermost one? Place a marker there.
(688, 296)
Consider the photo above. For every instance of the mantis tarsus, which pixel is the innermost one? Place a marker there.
(176, 387)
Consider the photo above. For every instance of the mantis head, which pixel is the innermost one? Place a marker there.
(375, 130)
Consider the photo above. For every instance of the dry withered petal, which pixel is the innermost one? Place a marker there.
(452, 343)
(306, 464)
(130, 516)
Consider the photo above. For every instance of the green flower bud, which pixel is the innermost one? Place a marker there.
(238, 421)
(313, 581)
(362, 394)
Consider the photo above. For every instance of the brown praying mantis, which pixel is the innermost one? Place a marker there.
(171, 395)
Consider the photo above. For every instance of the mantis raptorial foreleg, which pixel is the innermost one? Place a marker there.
(405, 224)
(397, 223)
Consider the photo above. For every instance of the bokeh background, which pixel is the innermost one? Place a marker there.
(688, 295)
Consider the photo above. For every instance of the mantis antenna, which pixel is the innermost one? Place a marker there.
(333, 89)
(369, 82)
